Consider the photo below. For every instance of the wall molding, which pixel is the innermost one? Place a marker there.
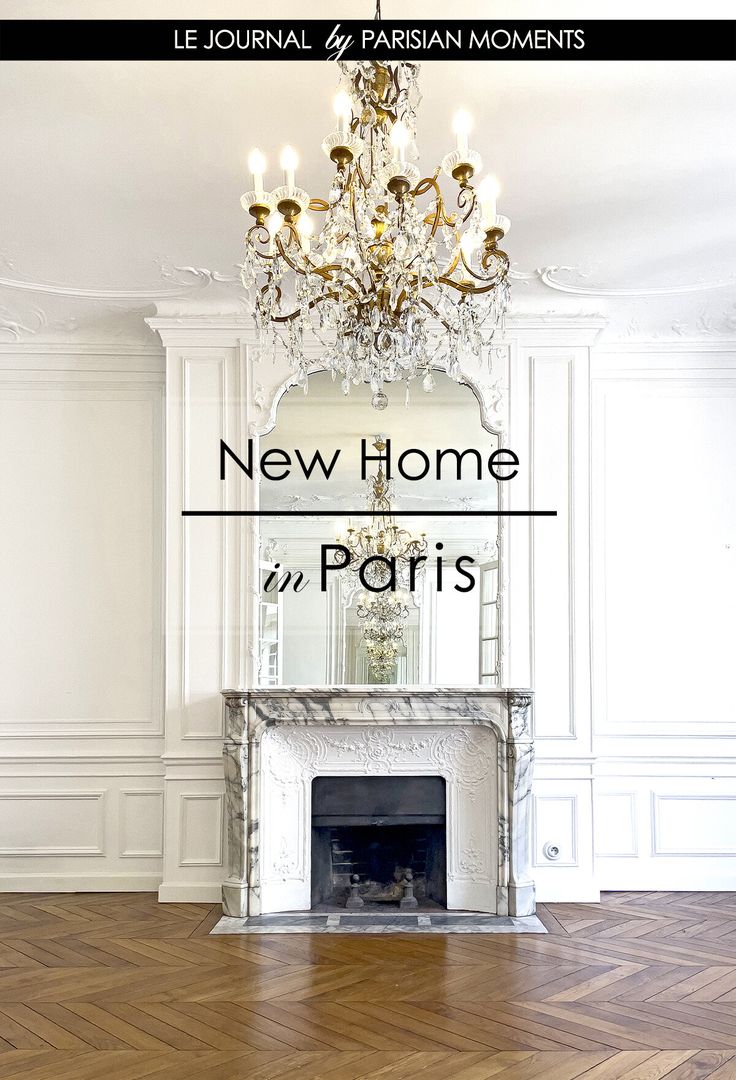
(71, 851)
(609, 387)
(125, 796)
(540, 837)
(658, 801)
(186, 798)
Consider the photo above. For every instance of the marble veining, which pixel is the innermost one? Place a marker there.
(381, 730)
(450, 923)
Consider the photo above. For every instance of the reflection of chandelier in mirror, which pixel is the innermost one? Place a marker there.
(392, 282)
(382, 536)
(382, 613)
(383, 632)
(384, 640)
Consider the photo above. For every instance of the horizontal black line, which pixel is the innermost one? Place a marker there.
(368, 513)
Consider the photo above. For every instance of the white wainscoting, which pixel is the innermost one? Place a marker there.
(663, 545)
(633, 445)
(548, 596)
(81, 576)
(209, 600)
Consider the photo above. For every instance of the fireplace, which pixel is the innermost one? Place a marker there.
(374, 835)
(325, 783)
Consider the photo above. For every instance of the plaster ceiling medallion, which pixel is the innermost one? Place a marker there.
(385, 275)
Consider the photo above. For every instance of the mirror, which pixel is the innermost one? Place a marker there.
(435, 624)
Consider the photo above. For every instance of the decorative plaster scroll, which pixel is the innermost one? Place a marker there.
(292, 756)
(194, 277)
(185, 279)
(10, 324)
(546, 275)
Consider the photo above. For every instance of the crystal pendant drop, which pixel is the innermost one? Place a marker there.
(379, 400)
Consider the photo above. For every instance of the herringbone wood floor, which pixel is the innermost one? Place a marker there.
(118, 986)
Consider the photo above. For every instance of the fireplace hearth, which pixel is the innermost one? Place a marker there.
(373, 835)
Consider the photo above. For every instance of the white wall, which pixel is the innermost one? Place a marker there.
(663, 594)
(633, 582)
(81, 634)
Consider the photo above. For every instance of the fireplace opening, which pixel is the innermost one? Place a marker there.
(378, 840)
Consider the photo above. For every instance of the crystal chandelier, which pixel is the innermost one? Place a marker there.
(392, 282)
(383, 633)
(382, 613)
(382, 536)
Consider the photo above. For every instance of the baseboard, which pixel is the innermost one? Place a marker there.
(190, 892)
(564, 892)
(638, 879)
(71, 883)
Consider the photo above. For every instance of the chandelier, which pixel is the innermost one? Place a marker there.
(382, 613)
(392, 282)
(383, 632)
(382, 537)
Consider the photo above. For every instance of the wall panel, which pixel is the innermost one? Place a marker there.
(81, 649)
(663, 538)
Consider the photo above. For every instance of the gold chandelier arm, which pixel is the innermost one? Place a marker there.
(297, 312)
(323, 272)
(436, 218)
(497, 253)
(453, 264)
(293, 234)
(313, 303)
(319, 205)
(427, 184)
(462, 198)
(469, 289)
(499, 275)
(260, 232)
(430, 306)
(262, 255)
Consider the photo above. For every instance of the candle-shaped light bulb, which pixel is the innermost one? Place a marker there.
(257, 165)
(470, 243)
(274, 221)
(289, 162)
(305, 228)
(400, 139)
(343, 107)
(488, 191)
(462, 125)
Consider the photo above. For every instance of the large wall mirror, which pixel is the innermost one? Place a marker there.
(420, 632)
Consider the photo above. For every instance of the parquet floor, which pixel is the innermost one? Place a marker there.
(642, 986)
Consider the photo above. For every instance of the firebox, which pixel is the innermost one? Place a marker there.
(378, 840)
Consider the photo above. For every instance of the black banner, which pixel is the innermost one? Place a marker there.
(322, 39)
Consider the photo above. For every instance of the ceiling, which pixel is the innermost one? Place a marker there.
(116, 174)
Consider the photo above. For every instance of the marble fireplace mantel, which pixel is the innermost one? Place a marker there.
(277, 739)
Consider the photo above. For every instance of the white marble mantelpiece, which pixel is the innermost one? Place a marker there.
(277, 739)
